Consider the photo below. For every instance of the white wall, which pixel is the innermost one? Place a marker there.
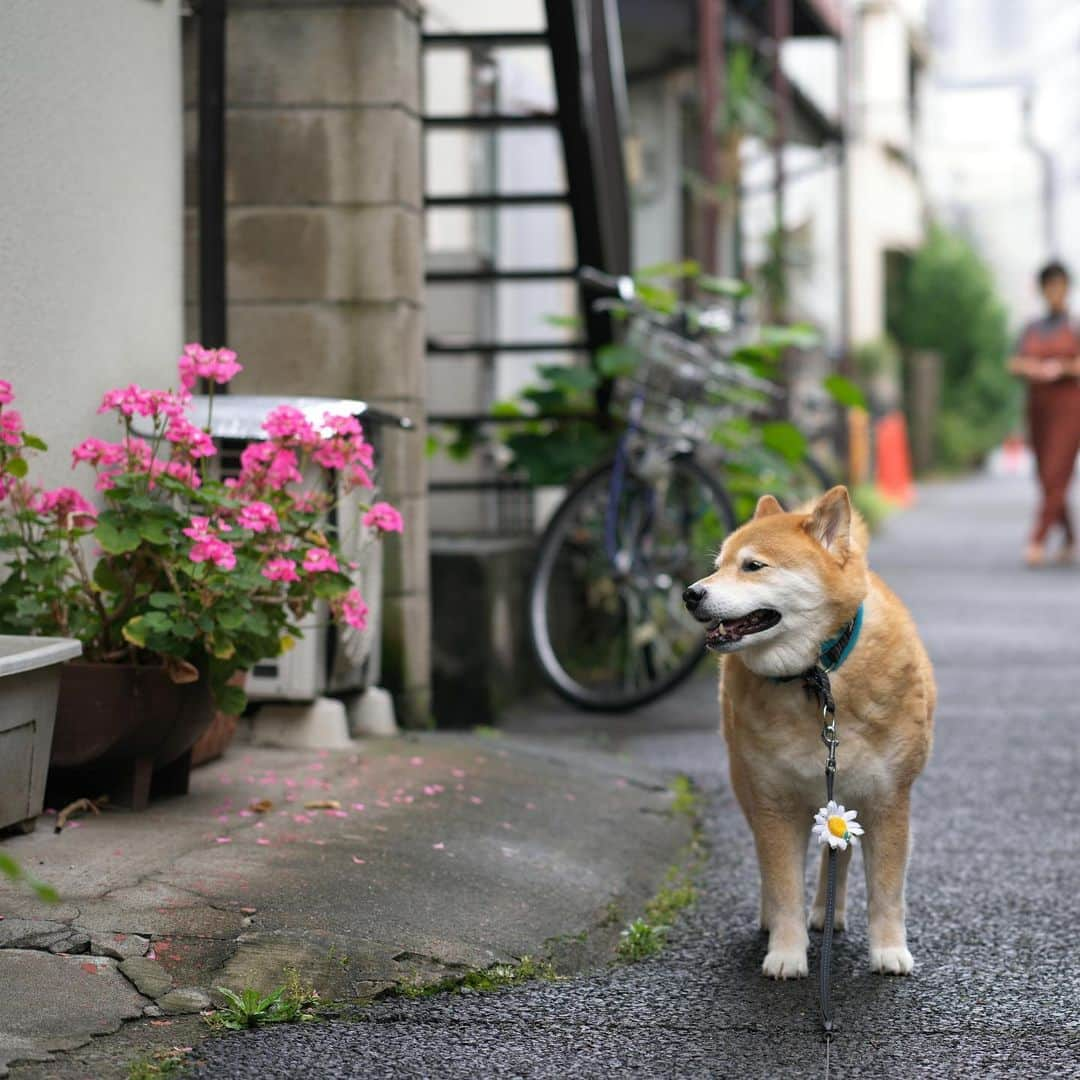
(90, 208)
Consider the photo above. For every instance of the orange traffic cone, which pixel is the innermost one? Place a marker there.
(894, 479)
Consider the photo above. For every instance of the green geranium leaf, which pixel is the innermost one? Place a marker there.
(154, 530)
(845, 392)
(135, 631)
(231, 618)
(164, 600)
(231, 700)
(116, 541)
(17, 467)
(34, 442)
(328, 586)
(105, 578)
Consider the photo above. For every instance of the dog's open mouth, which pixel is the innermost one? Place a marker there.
(724, 632)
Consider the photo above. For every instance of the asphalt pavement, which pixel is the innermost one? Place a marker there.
(992, 890)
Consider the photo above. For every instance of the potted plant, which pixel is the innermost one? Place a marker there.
(181, 580)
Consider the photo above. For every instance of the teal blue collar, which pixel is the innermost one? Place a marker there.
(833, 652)
(837, 649)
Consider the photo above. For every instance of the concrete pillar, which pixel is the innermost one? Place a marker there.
(325, 243)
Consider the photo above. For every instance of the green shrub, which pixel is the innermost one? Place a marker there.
(946, 301)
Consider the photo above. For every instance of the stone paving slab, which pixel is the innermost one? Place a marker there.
(50, 1003)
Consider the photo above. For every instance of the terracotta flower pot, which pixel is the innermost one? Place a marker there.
(125, 730)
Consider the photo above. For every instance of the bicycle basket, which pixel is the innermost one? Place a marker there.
(680, 388)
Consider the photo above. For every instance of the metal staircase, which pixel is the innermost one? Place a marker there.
(582, 37)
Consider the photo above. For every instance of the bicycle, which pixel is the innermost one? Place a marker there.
(606, 618)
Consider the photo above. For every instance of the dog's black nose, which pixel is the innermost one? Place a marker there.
(693, 596)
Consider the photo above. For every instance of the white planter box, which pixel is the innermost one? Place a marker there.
(29, 681)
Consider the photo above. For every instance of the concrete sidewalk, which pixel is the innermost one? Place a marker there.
(430, 855)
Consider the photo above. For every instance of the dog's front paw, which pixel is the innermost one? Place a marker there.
(785, 964)
(817, 919)
(894, 960)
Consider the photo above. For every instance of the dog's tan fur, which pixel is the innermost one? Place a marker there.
(885, 696)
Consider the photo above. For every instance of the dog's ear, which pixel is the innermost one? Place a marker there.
(830, 520)
(767, 505)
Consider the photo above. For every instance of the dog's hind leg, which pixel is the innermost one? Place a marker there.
(817, 912)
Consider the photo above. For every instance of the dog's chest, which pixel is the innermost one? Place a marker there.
(785, 752)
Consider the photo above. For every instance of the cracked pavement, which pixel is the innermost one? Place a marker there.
(992, 890)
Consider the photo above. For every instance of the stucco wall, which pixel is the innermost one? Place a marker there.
(90, 207)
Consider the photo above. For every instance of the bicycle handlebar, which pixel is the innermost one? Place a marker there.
(620, 286)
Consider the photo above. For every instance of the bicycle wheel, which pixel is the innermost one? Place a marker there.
(606, 615)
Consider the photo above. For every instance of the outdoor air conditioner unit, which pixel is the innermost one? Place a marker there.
(328, 658)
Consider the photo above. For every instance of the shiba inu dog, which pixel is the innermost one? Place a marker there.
(791, 591)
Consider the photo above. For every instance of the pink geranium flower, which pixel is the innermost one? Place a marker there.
(209, 547)
(183, 471)
(287, 424)
(189, 438)
(359, 477)
(384, 517)
(352, 609)
(342, 425)
(267, 465)
(11, 427)
(280, 570)
(259, 517)
(6, 395)
(216, 365)
(97, 452)
(330, 456)
(66, 503)
(318, 560)
(311, 502)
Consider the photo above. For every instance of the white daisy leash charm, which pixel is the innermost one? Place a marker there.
(836, 826)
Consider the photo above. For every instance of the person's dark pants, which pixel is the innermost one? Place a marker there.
(1054, 423)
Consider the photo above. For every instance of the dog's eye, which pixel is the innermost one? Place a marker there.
(752, 565)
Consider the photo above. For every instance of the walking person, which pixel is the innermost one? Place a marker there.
(1048, 357)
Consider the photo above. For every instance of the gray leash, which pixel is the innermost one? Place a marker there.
(816, 682)
(831, 740)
